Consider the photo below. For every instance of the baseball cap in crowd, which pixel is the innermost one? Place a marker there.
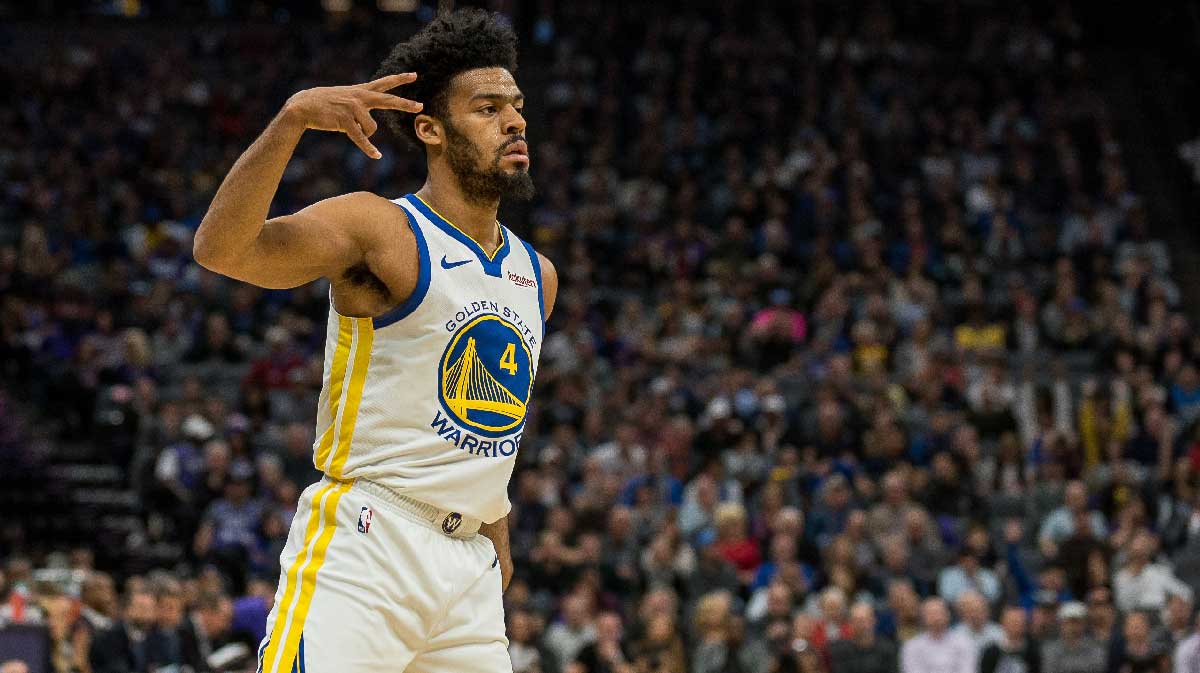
(197, 428)
(1072, 610)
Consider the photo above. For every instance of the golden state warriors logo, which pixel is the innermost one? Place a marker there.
(487, 377)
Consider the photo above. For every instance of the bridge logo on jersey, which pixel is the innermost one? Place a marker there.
(487, 376)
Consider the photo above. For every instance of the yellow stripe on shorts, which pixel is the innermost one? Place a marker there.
(358, 376)
(308, 578)
(281, 650)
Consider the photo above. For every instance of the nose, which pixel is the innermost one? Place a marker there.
(514, 122)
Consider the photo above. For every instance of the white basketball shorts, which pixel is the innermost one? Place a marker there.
(367, 584)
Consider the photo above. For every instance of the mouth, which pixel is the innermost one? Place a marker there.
(518, 151)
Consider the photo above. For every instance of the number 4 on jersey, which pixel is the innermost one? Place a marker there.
(508, 361)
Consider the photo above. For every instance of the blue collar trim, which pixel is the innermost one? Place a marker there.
(491, 264)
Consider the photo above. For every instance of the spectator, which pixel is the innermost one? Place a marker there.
(1074, 651)
(712, 572)
(1176, 620)
(623, 455)
(864, 651)
(1102, 615)
(936, 649)
(699, 506)
(577, 629)
(1186, 656)
(715, 651)
(1015, 651)
(903, 617)
(829, 516)
(132, 643)
(832, 623)
(889, 515)
(1141, 584)
(1139, 653)
(230, 526)
(606, 654)
(733, 544)
(973, 620)
(1060, 524)
(969, 573)
(522, 648)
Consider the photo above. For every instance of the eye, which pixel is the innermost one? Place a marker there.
(488, 109)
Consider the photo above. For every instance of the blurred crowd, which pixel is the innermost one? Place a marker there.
(865, 356)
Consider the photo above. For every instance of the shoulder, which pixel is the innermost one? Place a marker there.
(368, 214)
(549, 281)
(356, 207)
(548, 270)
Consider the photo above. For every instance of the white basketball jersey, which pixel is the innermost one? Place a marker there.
(430, 399)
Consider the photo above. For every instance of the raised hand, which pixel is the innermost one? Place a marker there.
(347, 109)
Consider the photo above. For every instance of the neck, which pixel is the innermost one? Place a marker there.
(476, 219)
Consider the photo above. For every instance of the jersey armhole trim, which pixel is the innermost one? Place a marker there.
(418, 294)
(537, 275)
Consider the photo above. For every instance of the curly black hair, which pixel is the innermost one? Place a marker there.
(451, 44)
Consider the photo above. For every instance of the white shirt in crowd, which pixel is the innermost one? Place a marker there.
(1148, 589)
(1187, 655)
(953, 652)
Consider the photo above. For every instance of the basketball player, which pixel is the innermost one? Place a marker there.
(397, 558)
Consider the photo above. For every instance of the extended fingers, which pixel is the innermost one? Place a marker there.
(385, 101)
(390, 81)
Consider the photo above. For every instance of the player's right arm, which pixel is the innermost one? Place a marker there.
(235, 237)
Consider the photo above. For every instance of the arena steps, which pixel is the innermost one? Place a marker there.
(90, 504)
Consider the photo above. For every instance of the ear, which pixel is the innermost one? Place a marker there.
(429, 130)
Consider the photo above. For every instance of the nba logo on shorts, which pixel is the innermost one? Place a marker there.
(364, 519)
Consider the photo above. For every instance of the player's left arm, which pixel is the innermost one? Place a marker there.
(497, 531)
(549, 283)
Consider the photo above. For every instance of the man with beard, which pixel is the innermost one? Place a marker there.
(436, 321)
(132, 643)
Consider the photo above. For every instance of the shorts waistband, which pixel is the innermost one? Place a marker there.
(445, 521)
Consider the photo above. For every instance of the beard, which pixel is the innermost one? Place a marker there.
(488, 185)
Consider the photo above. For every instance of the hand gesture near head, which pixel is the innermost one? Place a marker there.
(347, 109)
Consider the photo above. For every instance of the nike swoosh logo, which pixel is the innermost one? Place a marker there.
(451, 265)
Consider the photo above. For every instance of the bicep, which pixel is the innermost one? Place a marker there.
(318, 241)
